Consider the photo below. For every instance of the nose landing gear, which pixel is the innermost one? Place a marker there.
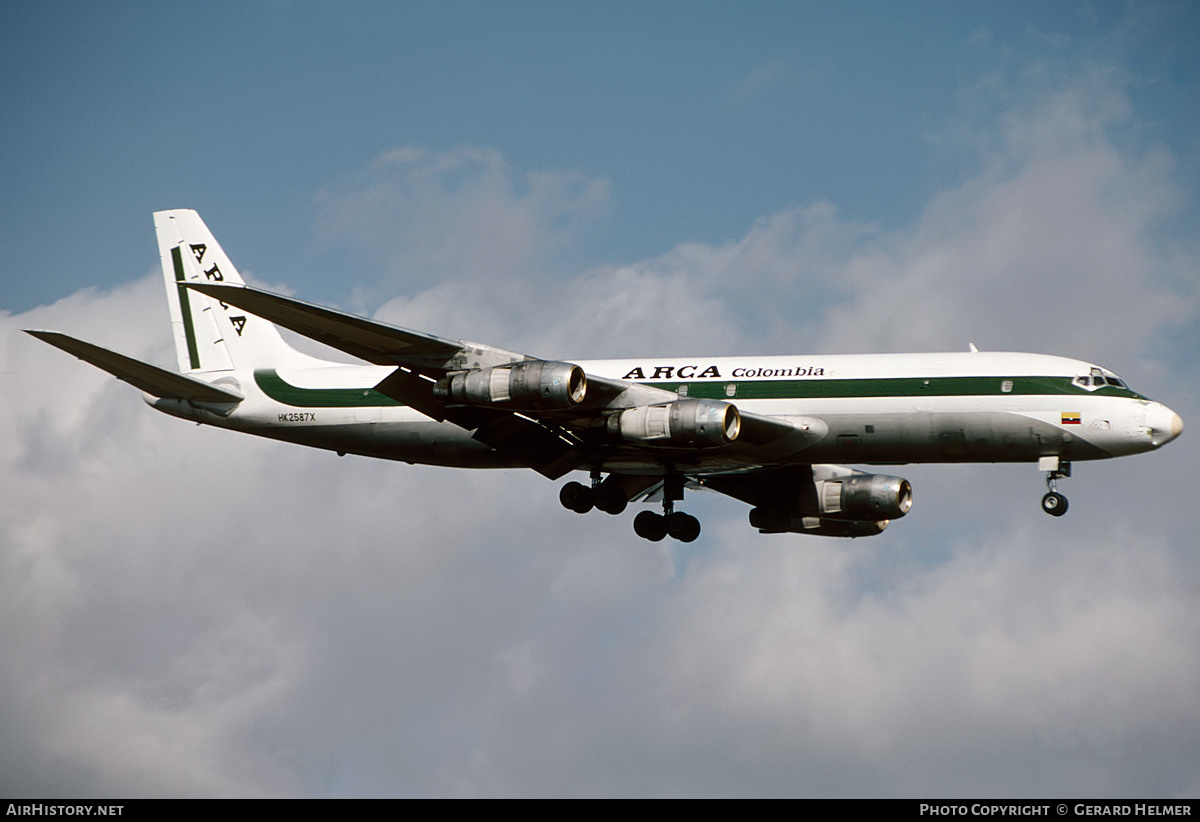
(1054, 503)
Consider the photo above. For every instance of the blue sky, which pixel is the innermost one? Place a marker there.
(703, 117)
(190, 612)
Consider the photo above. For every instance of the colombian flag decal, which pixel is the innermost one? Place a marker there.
(1071, 418)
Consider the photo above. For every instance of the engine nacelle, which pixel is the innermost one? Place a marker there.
(702, 423)
(836, 502)
(535, 385)
(776, 522)
(862, 496)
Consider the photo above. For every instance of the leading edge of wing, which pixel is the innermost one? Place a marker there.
(145, 377)
(375, 342)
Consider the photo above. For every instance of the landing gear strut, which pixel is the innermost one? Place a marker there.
(607, 496)
(671, 523)
(1054, 503)
(610, 497)
(677, 525)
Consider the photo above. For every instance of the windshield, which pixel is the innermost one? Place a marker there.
(1098, 378)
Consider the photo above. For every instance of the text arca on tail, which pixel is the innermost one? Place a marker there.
(771, 431)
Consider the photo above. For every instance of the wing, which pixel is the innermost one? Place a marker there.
(522, 406)
(151, 379)
(375, 342)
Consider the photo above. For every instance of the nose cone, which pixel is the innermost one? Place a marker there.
(1164, 424)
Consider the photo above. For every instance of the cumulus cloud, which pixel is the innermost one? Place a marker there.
(1057, 228)
(921, 680)
(194, 612)
(1062, 220)
(461, 216)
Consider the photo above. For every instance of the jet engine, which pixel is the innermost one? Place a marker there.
(862, 496)
(702, 423)
(829, 500)
(535, 385)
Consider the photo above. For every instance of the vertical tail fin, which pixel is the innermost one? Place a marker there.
(210, 335)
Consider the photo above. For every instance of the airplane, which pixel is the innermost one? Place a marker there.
(775, 432)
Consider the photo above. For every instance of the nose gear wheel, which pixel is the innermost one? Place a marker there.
(1054, 503)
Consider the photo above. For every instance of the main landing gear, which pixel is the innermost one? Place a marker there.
(673, 524)
(606, 496)
(1054, 503)
(610, 497)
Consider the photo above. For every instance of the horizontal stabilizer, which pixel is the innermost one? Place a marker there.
(151, 379)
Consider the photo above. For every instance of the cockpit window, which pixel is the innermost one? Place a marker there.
(1098, 379)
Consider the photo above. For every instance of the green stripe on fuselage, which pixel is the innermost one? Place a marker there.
(282, 391)
(888, 387)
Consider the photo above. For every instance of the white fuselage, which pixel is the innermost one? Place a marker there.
(869, 409)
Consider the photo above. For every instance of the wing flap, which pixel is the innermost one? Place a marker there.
(145, 377)
(542, 449)
(415, 391)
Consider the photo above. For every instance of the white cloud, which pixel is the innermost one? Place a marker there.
(1036, 251)
(460, 216)
(1060, 227)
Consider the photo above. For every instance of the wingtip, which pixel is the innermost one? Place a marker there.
(200, 286)
(42, 333)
